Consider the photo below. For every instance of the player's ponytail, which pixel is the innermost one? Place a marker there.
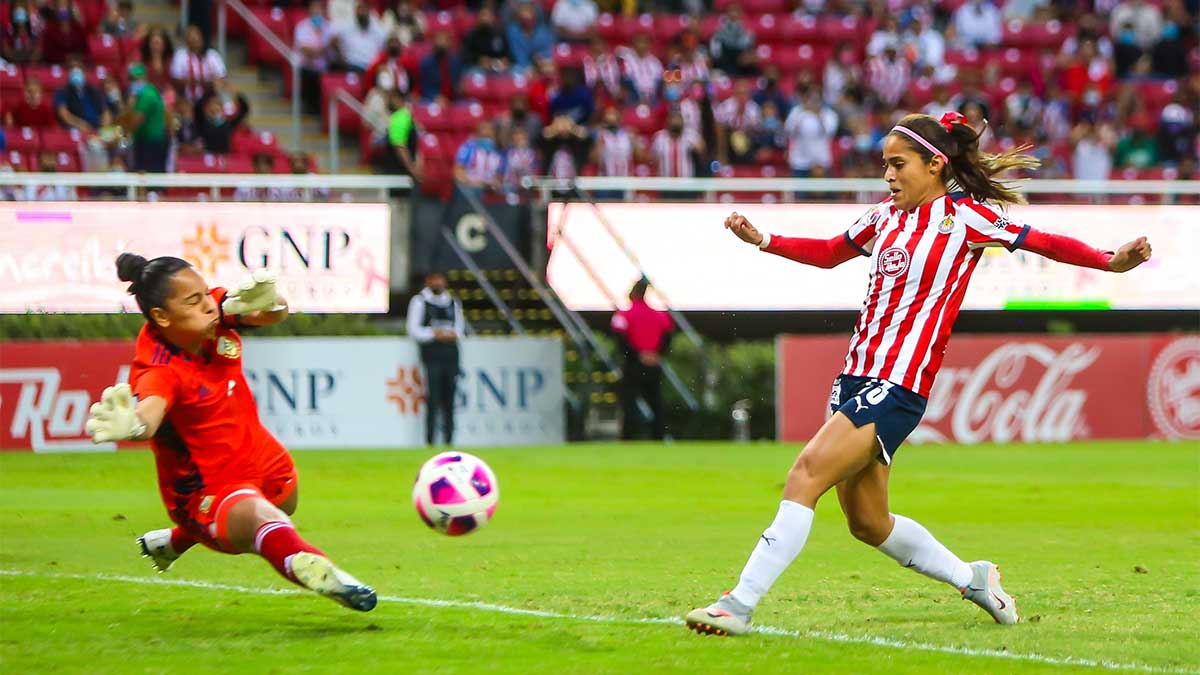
(149, 280)
(968, 169)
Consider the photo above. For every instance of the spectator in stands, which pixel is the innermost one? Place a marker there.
(391, 60)
(20, 42)
(187, 131)
(1137, 146)
(1126, 51)
(120, 22)
(33, 111)
(886, 35)
(573, 98)
(195, 66)
(157, 51)
(769, 136)
(615, 150)
(770, 90)
(357, 42)
(146, 123)
(377, 104)
(528, 39)
(1177, 130)
(1087, 67)
(1021, 10)
(565, 146)
(64, 34)
(1055, 125)
(643, 71)
(574, 20)
(223, 112)
(520, 160)
(1170, 53)
(478, 162)
(888, 77)
(738, 118)
(404, 22)
(312, 38)
(841, 72)
(1092, 159)
(1145, 18)
(1023, 106)
(675, 149)
(519, 116)
(810, 128)
(602, 72)
(732, 45)
(440, 71)
(928, 45)
(401, 158)
(942, 102)
(691, 58)
(79, 105)
(485, 46)
(977, 24)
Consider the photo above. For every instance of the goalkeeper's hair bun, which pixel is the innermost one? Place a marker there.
(149, 280)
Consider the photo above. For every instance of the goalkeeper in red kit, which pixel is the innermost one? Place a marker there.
(225, 480)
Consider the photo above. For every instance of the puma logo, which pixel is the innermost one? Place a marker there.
(911, 563)
(858, 402)
(767, 539)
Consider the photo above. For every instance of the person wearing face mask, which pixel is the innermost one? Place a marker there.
(20, 41)
(64, 34)
(485, 46)
(1126, 51)
(186, 127)
(402, 21)
(146, 122)
(222, 113)
(435, 321)
(615, 150)
(1145, 19)
(356, 42)
(440, 71)
(312, 38)
(390, 61)
(79, 105)
(1170, 53)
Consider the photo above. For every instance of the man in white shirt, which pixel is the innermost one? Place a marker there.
(312, 39)
(573, 19)
(435, 321)
(358, 41)
(810, 128)
(675, 148)
(978, 24)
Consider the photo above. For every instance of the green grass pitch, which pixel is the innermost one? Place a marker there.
(595, 553)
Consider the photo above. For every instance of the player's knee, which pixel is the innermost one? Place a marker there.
(870, 531)
(244, 519)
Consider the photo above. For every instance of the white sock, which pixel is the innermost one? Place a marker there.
(777, 548)
(913, 546)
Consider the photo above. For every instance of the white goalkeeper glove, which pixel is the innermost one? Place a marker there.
(113, 418)
(255, 294)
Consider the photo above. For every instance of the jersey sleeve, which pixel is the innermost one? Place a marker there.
(862, 233)
(218, 295)
(988, 227)
(158, 381)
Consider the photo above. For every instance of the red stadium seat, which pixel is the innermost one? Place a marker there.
(568, 55)
(11, 78)
(411, 58)
(53, 77)
(435, 147)
(619, 30)
(848, 29)
(474, 85)
(66, 162)
(10, 98)
(249, 142)
(1014, 62)
(105, 50)
(1034, 35)
(465, 116)
(768, 28)
(14, 159)
(641, 119)
(964, 59)
(280, 24)
(505, 87)
(239, 163)
(352, 83)
(23, 139)
(131, 48)
(206, 163)
(57, 139)
(804, 57)
(1157, 94)
(99, 75)
(800, 30)
(438, 22)
(667, 27)
(432, 118)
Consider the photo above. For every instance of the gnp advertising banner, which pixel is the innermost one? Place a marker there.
(311, 392)
(60, 257)
(1038, 389)
(697, 265)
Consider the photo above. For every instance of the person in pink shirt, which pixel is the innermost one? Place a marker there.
(644, 334)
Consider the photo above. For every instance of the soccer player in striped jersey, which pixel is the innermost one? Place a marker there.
(225, 480)
(924, 242)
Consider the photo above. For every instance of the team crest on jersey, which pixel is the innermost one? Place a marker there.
(947, 225)
(206, 504)
(893, 262)
(230, 349)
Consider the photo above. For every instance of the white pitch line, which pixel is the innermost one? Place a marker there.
(517, 611)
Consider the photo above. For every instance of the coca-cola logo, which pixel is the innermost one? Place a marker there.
(1173, 389)
(998, 400)
(893, 261)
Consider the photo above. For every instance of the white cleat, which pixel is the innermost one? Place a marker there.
(318, 573)
(984, 590)
(726, 616)
(156, 545)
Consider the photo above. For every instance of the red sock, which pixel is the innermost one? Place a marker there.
(277, 541)
(181, 541)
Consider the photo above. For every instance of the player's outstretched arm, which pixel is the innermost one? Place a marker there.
(825, 253)
(1074, 252)
(118, 416)
(256, 301)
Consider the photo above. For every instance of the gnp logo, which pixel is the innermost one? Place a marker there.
(46, 415)
(1173, 389)
(292, 401)
(893, 261)
(407, 390)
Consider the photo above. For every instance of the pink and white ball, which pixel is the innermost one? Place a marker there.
(456, 493)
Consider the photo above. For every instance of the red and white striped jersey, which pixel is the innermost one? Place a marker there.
(674, 154)
(616, 152)
(921, 262)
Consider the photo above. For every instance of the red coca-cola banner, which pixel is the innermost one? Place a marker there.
(46, 389)
(1021, 389)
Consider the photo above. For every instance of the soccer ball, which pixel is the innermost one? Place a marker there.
(455, 493)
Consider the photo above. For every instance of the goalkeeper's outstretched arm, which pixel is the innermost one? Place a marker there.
(117, 416)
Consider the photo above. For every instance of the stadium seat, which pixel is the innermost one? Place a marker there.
(23, 139)
(435, 147)
(99, 75)
(465, 116)
(238, 163)
(1157, 94)
(768, 28)
(667, 27)
(14, 159)
(57, 139)
(206, 163)
(1014, 62)
(64, 162)
(804, 57)
(568, 55)
(131, 48)
(641, 119)
(352, 83)
(10, 98)
(11, 78)
(432, 117)
(504, 87)
(848, 29)
(619, 30)
(280, 24)
(250, 142)
(53, 78)
(105, 50)
(964, 59)
(708, 26)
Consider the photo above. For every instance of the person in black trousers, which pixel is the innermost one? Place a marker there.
(645, 335)
(435, 321)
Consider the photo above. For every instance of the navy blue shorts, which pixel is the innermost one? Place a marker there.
(896, 411)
